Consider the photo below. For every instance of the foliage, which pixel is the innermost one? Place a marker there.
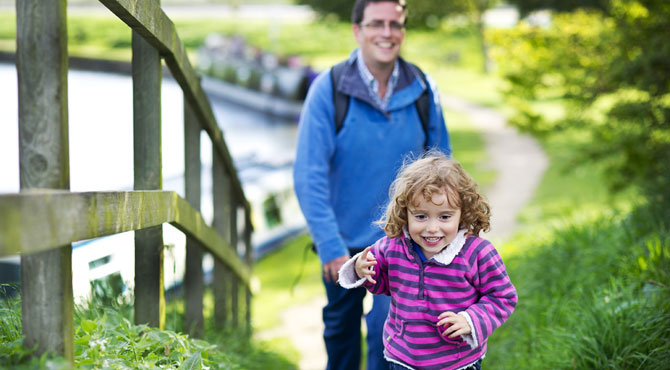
(594, 293)
(105, 337)
(422, 13)
(611, 76)
(341, 9)
(527, 6)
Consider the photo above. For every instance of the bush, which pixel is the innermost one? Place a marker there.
(610, 74)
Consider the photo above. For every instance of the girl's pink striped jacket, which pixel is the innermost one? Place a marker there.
(468, 277)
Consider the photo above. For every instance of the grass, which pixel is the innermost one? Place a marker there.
(288, 276)
(592, 292)
(571, 187)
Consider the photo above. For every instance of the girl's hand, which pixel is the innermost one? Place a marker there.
(455, 324)
(364, 264)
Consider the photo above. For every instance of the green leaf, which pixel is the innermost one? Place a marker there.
(83, 340)
(192, 363)
(88, 326)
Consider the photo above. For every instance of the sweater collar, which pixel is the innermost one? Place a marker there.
(450, 252)
(351, 83)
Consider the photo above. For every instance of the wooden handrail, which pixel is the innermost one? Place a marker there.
(42, 220)
(149, 20)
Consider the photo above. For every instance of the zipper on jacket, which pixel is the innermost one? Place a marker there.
(421, 269)
(421, 266)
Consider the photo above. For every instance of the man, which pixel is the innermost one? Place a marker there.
(342, 174)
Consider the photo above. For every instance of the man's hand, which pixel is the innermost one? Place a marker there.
(331, 268)
(364, 262)
(455, 324)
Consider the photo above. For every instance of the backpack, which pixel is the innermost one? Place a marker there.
(341, 100)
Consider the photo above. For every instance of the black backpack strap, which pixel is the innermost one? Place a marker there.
(423, 102)
(340, 100)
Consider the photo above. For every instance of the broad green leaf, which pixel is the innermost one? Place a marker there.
(192, 363)
(88, 325)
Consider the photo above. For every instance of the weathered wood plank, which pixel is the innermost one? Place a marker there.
(221, 203)
(40, 220)
(234, 283)
(148, 19)
(148, 175)
(147, 158)
(249, 260)
(46, 278)
(194, 286)
(149, 293)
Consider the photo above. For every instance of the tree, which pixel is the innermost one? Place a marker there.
(339, 8)
(527, 6)
(611, 70)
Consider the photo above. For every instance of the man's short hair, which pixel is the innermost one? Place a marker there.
(359, 8)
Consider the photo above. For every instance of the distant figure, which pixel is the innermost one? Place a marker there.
(449, 287)
(386, 109)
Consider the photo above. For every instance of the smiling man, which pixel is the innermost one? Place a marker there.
(360, 120)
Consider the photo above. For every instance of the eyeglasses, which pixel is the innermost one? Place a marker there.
(380, 26)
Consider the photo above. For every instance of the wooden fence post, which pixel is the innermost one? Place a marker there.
(233, 238)
(249, 259)
(221, 185)
(193, 277)
(149, 292)
(46, 277)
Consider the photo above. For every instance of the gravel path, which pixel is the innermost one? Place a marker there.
(519, 163)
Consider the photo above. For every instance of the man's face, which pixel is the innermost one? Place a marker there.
(380, 34)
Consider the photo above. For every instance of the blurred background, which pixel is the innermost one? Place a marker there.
(587, 80)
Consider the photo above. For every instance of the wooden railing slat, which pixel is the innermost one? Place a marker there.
(149, 20)
(148, 175)
(194, 285)
(46, 278)
(222, 277)
(40, 220)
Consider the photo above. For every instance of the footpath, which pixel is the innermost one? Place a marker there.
(519, 163)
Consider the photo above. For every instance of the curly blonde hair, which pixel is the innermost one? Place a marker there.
(431, 174)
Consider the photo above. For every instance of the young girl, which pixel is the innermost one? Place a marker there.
(449, 288)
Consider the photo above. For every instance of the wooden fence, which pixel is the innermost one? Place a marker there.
(44, 218)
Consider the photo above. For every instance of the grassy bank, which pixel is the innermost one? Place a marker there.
(592, 269)
(593, 294)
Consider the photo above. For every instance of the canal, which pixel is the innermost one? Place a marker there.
(101, 158)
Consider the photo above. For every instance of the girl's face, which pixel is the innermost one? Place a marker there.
(433, 224)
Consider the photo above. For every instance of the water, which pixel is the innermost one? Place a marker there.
(101, 158)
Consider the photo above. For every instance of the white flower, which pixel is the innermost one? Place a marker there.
(100, 343)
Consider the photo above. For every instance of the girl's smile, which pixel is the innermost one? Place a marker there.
(433, 223)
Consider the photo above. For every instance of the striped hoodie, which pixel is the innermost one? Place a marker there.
(468, 277)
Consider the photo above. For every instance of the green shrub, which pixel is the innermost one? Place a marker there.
(609, 74)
